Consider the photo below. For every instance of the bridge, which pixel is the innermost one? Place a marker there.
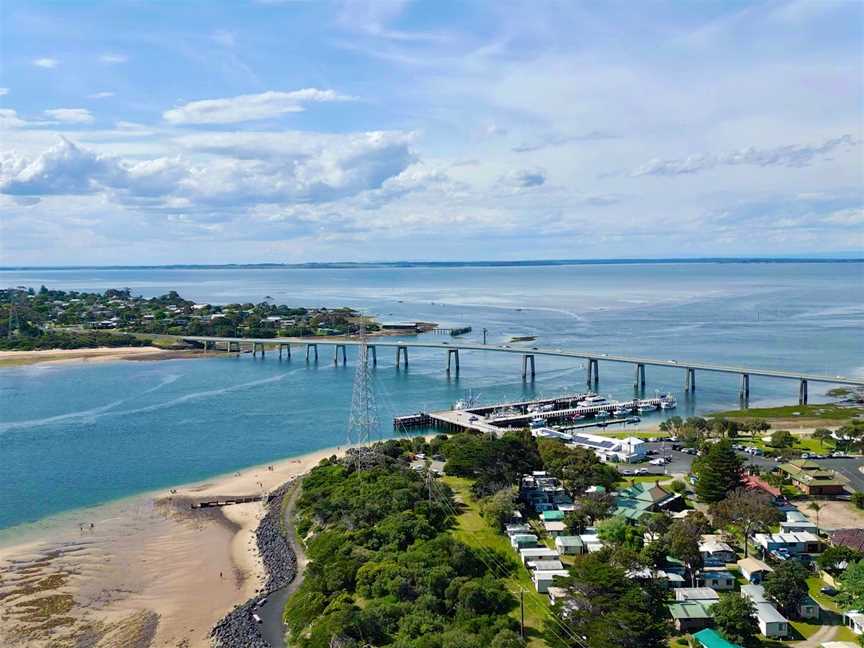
(688, 367)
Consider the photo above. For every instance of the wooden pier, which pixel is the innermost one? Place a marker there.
(228, 501)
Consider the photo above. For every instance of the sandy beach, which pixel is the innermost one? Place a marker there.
(151, 571)
(99, 354)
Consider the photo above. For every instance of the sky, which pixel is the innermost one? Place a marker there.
(157, 132)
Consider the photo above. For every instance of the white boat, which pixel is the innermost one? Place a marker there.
(646, 407)
(593, 399)
(601, 414)
(668, 403)
(538, 423)
(621, 411)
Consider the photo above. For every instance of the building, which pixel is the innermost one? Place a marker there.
(772, 624)
(808, 608)
(552, 516)
(754, 570)
(569, 544)
(810, 478)
(719, 580)
(523, 540)
(643, 498)
(798, 527)
(629, 450)
(852, 538)
(691, 616)
(794, 543)
(710, 638)
(545, 565)
(855, 621)
(663, 578)
(554, 529)
(537, 553)
(715, 553)
(543, 580)
(704, 594)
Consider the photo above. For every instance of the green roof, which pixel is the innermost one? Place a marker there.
(712, 639)
(689, 610)
(551, 516)
(810, 472)
(569, 541)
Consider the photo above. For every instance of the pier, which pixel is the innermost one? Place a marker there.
(228, 501)
(687, 367)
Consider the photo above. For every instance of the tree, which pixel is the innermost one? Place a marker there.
(822, 434)
(499, 507)
(781, 439)
(747, 511)
(677, 486)
(836, 557)
(683, 538)
(858, 500)
(735, 616)
(718, 472)
(816, 507)
(578, 468)
(787, 585)
(852, 585)
(617, 531)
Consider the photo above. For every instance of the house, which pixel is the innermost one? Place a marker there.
(554, 529)
(552, 516)
(772, 624)
(661, 577)
(852, 538)
(643, 498)
(703, 594)
(591, 541)
(715, 553)
(710, 638)
(691, 616)
(537, 553)
(810, 478)
(543, 579)
(808, 608)
(854, 620)
(754, 482)
(720, 580)
(798, 527)
(753, 569)
(545, 565)
(569, 544)
(523, 540)
(794, 543)
(511, 529)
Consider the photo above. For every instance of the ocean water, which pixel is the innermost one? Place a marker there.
(77, 435)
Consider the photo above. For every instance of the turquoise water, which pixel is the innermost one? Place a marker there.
(78, 435)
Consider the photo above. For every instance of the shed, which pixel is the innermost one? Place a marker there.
(545, 565)
(753, 569)
(537, 553)
(691, 616)
(552, 516)
(771, 623)
(569, 544)
(520, 540)
(554, 528)
(543, 579)
(704, 594)
(808, 608)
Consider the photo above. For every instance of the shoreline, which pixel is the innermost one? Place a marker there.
(136, 578)
(98, 354)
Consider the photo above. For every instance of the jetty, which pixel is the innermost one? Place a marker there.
(228, 501)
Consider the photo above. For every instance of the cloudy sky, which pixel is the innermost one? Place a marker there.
(287, 130)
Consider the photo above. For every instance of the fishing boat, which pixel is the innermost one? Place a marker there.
(668, 403)
(646, 407)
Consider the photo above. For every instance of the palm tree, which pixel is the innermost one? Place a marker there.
(815, 506)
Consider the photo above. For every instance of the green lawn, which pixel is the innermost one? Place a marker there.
(829, 412)
(814, 583)
(474, 531)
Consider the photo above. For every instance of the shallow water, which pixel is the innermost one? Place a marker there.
(76, 435)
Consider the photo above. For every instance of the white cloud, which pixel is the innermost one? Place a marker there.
(4, 92)
(46, 62)
(525, 178)
(232, 110)
(113, 59)
(788, 156)
(10, 119)
(100, 95)
(70, 115)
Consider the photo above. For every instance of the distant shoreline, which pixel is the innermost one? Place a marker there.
(337, 265)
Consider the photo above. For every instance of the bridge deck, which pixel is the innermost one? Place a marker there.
(536, 351)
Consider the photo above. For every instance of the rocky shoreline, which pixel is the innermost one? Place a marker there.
(238, 627)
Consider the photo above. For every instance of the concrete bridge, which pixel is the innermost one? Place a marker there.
(688, 367)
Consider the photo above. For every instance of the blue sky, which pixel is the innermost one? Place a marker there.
(290, 130)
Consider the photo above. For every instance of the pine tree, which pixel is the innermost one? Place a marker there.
(718, 472)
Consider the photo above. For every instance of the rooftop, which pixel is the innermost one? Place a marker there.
(690, 610)
(710, 638)
(852, 538)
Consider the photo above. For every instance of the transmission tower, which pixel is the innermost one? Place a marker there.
(363, 424)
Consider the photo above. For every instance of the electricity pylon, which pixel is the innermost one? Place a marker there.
(363, 423)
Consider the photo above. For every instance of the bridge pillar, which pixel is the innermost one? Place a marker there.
(451, 354)
(336, 350)
(802, 392)
(528, 357)
(311, 347)
(593, 372)
(744, 389)
(254, 349)
(400, 351)
(689, 379)
(639, 380)
(374, 351)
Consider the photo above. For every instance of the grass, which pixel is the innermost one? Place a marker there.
(813, 585)
(827, 412)
(475, 531)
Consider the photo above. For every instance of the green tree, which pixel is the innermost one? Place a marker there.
(852, 585)
(822, 434)
(836, 557)
(617, 531)
(683, 538)
(499, 507)
(747, 511)
(781, 439)
(718, 472)
(735, 616)
(787, 585)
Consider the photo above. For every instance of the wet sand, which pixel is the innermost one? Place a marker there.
(100, 354)
(151, 571)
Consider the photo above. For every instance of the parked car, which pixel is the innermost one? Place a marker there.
(828, 590)
(838, 455)
(640, 471)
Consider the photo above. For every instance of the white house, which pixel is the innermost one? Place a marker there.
(627, 450)
(545, 565)
(772, 624)
(543, 579)
(717, 553)
(720, 580)
(538, 553)
(854, 619)
(753, 569)
(569, 544)
(519, 540)
(794, 543)
(798, 527)
(703, 594)
(555, 528)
